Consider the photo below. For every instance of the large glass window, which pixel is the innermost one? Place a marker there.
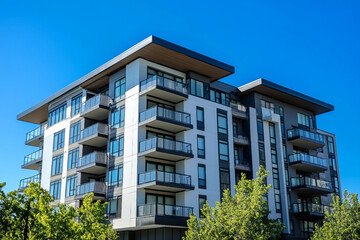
(222, 123)
(200, 121)
(224, 180)
(118, 117)
(120, 89)
(159, 199)
(262, 154)
(277, 202)
(199, 89)
(117, 146)
(223, 150)
(201, 146)
(305, 120)
(153, 72)
(201, 176)
(114, 207)
(219, 97)
(202, 202)
(331, 144)
(56, 167)
(150, 166)
(57, 115)
(116, 175)
(76, 105)
(273, 154)
(268, 105)
(260, 129)
(272, 133)
(276, 178)
(55, 189)
(75, 129)
(71, 185)
(73, 157)
(59, 140)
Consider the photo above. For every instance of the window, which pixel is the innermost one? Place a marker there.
(305, 120)
(201, 176)
(222, 123)
(120, 89)
(118, 117)
(224, 180)
(76, 105)
(55, 189)
(59, 140)
(159, 199)
(57, 115)
(273, 154)
(219, 97)
(276, 178)
(75, 132)
(153, 72)
(202, 201)
(198, 88)
(331, 144)
(150, 166)
(332, 163)
(307, 228)
(282, 121)
(201, 146)
(114, 207)
(287, 176)
(117, 146)
(277, 203)
(262, 154)
(116, 175)
(223, 150)
(272, 133)
(268, 105)
(284, 152)
(200, 118)
(260, 129)
(56, 167)
(73, 158)
(71, 185)
(105, 91)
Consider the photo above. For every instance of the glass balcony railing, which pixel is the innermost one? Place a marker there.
(307, 158)
(166, 144)
(95, 187)
(296, 132)
(98, 157)
(24, 183)
(166, 177)
(95, 129)
(308, 181)
(310, 208)
(33, 156)
(163, 82)
(165, 113)
(37, 132)
(154, 209)
(242, 163)
(99, 99)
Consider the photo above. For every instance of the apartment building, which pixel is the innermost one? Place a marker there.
(155, 133)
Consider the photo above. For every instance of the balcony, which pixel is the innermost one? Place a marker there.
(165, 149)
(310, 186)
(95, 135)
(243, 166)
(238, 111)
(98, 188)
(268, 114)
(96, 108)
(24, 183)
(164, 88)
(310, 211)
(240, 139)
(305, 139)
(307, 163)
(165, 181)
(32, 160)
(170, 120)
(93, 163)
(33, 138)
(162, 214)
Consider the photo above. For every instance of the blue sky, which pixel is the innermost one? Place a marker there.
(310, 46)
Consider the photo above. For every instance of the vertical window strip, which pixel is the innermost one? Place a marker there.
(76, 105)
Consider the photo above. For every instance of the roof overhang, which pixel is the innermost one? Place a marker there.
(153, 49)
(287, 95)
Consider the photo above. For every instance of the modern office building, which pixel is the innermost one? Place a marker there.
(155, 133)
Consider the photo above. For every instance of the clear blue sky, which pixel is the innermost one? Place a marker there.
(310, 46)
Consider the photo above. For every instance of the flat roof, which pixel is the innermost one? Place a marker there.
(287, 95)
(153, 49)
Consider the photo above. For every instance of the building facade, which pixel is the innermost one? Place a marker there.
(156, 134)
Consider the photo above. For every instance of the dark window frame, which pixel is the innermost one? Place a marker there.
(201, 152)
(120, 146)
(118, 170)
(76, 104)
(55, 189)
(57, 114)
(118, 123)
(200, 124)
(75, 130)
(73, 157)
(203, 197)
(71, 183)
(202, 181)
(57, 165)
(59, 139)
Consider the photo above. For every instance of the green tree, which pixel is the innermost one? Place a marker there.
(343, 222)
(31, 215)
(243, 216)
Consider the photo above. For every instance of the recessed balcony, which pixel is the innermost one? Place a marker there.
(241, 139)
(165, 181)
(95, 135)
(238, 111)
(93, 163)
(305, 139)
(98, 188)
(32, 160)
(243, 166)
(165, 149)
(34, 137)
(164, 88)
(307, 163)
(167, 119)
(163, 214)
(96, 108)
(310, 211)
(310, 186)
(24, 183)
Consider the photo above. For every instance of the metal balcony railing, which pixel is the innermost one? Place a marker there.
(94, 129)
(166, 177)
(307, 158)
(177, 116)
(37, 132)
(163, 82)
(24, 183)
(310, 208)
(154, 209)
(98, 157)
(99, 99)
(33, 156)
(167, 144)
(296, 132)
(308, 181)
(95, 187)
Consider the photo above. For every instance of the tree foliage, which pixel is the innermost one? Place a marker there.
(31, 215)
(344, 220)
(243, 216)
